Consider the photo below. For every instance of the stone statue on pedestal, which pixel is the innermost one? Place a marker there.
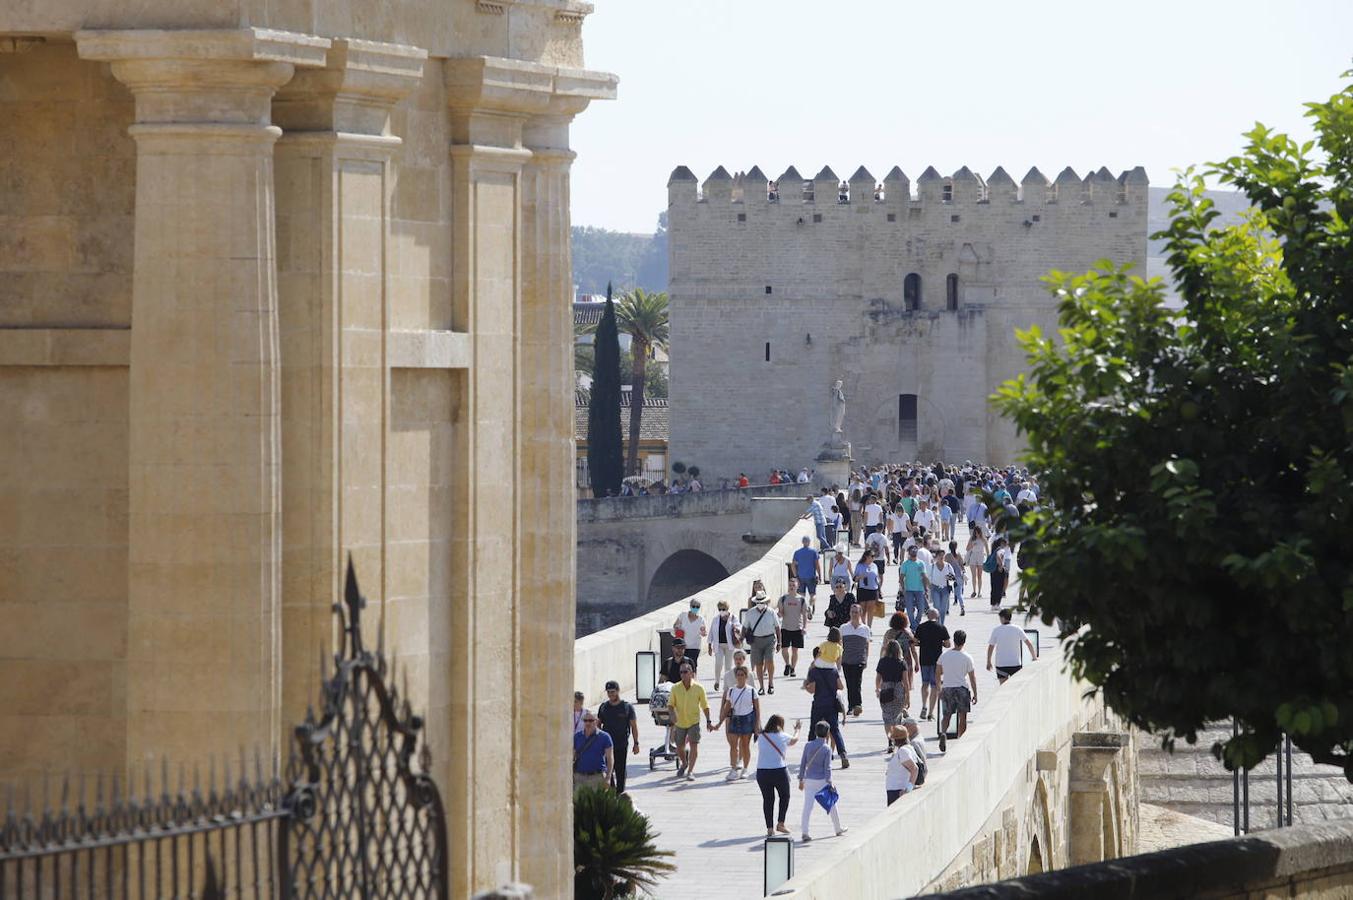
(838, 399)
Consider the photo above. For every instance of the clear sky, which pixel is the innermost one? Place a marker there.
(879, 83)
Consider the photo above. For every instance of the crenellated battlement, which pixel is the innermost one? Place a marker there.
(963, 188)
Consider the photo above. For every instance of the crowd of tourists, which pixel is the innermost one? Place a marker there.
(945, 529)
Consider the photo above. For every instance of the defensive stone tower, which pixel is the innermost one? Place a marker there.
(778, 288)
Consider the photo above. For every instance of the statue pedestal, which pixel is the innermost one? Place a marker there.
(833, 467)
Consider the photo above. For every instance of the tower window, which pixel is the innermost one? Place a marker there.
(742, 217)
(817, 217)
(767, 351)
(951, 292)
(767, 289)
(911, 292)
(906, 418)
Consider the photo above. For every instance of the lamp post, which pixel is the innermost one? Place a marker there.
(778, 862)
(645, 675)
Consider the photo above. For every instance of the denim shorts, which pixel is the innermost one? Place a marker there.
(741, 724)
(928, 675)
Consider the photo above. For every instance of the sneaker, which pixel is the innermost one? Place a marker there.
(786, 668)
(845, 763)
(781, 828)
(842, 831)
(806, 838)
(690, 776)
(771, 689)
(943, 741)
(732, 774)
(716, 685)
(743, 773)
(681, 769)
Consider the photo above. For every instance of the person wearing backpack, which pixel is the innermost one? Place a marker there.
(815, 778)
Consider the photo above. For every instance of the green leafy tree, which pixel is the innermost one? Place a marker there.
(605, 463)
(613, 850)
(643, 316)
(1199, 463)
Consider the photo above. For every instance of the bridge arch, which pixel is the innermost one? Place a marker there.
(681, 574)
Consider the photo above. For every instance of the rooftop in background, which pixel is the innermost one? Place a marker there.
(654, 426)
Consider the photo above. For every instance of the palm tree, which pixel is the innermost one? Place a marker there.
(613, 850)
(643, 316)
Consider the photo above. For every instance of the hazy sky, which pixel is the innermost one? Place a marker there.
(895, 82)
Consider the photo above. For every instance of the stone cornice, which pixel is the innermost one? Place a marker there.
(246, 44)
(354, 92)
(513, 86)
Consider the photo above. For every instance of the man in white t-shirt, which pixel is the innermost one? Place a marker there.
(1005, 645)
(924, 518)
(873, 516)
(1026, 496)
(953, 668)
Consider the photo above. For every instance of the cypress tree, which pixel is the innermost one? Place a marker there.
(605, 460)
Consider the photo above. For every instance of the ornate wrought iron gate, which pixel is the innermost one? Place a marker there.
(358, 817)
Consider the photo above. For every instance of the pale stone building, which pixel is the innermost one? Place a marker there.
(778, 289)
(281, 282)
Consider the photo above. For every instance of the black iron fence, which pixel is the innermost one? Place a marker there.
(1240, 788)
(357, 816)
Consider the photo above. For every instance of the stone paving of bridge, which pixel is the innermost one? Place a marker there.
(716, 827)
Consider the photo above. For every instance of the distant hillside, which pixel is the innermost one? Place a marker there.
(627, 260)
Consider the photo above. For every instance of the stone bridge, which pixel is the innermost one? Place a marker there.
(640, 553)
(1045, 778)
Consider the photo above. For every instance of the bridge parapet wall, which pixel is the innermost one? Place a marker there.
(609, 654)
(1005, 800)
(669, 506)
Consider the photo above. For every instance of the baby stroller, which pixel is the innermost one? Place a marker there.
(662, 715)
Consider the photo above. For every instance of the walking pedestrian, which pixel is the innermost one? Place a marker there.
(690, 627)
(808, 568)
(592, 754)
(1006, 643)
(772, 770)
(761, 630)
(902, 771)
(794, 612)
(998, 567)
(855, 636)
(616, 718)
(977, 554)
(931, 639)
(824, 682)
(889, 675)
(867, 585)
(578, 699)
(725, 637)
(671, 667)
(688, 701)
(955, 563)
(899, 629)
(938, 575)
(912, 576)
(815, 773)
(953, 667)
(742, 711)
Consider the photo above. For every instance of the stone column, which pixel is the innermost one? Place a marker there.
(1088, 789)
(547, 504)
(333, 218)
(203, 636)
(513, 470)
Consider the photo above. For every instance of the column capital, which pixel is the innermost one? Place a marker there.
(219, 77)
(354, 92)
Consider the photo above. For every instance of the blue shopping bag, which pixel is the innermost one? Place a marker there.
(827, 796)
